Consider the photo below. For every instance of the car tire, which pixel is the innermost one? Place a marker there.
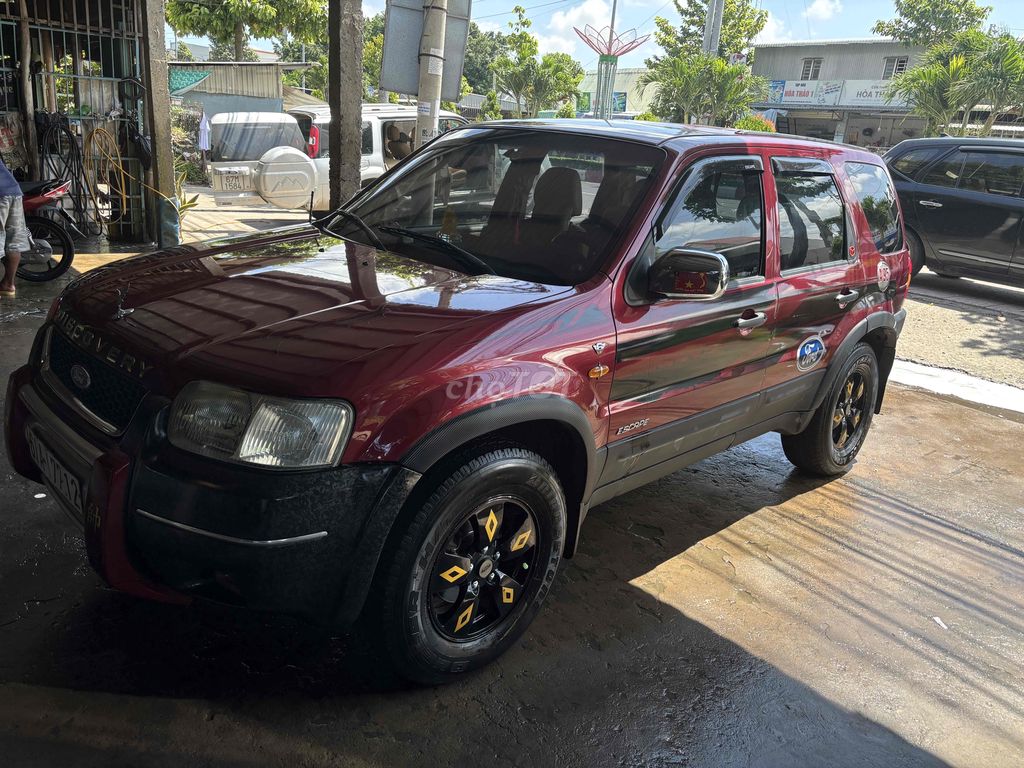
(829, 444)
(439, 614)
(917, 258)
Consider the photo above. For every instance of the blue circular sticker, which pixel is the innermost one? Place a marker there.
(810, 353)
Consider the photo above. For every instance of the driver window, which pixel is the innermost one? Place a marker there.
(721, 212)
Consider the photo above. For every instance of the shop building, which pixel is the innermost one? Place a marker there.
(836, 89)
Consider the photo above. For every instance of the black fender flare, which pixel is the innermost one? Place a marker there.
(499, 415)
(508, 413)
(890, 324)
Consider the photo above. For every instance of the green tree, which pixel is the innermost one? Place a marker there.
(567, 110)
(555, 79)
(183, 53)
(703, 87)
(515, 69)
(995, 78)
(491, 108)
(482, 50)
(220, 51)
(742, 21)
(290, 49)
(236, 21)
(929, 22)
(930, 91)
(754, 122)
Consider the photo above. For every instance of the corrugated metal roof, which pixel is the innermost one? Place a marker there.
(256, 79)
(837, 41)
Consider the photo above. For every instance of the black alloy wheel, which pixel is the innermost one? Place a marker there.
(483, 569)
(830, 442)
(849, 412)
(469, 562)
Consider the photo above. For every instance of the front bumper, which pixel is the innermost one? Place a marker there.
(164, 524)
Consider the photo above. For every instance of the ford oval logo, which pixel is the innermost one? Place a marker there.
(80, 376)
(810, 353)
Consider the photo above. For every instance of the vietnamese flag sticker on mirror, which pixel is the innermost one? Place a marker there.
(691, 282)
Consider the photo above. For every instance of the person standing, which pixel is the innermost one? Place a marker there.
(13, 234)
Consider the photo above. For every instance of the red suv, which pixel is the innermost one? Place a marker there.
(404, 411)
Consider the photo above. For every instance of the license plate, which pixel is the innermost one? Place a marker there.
(57, 476)
(232, 182)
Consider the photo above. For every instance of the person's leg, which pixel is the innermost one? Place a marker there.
(10, 264)
(16, 238)
(11, 260)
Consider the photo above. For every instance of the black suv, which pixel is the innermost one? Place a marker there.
(962, 203)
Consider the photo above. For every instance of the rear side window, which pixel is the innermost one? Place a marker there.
(238, 141)
(913, 161)
(878, 200)
(367, 148)
(812, 224)
(994, 173)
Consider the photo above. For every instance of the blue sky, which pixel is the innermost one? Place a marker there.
(553, 20)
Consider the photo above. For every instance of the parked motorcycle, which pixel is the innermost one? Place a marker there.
(51, 248)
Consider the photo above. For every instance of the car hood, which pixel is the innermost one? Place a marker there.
(282, 312)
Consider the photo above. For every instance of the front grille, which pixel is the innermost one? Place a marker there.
(112, 396)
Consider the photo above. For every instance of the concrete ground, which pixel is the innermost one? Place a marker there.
(736, 613)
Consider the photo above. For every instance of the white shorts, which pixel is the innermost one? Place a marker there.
(13, 233)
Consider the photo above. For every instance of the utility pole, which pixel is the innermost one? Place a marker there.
(345, 96)
(713, 26)
(428, 101)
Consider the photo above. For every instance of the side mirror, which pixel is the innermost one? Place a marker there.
(689, 274)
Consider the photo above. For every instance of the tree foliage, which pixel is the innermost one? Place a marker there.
(967, 71)
(290, 49)
(702, 87)
(742, 21)
(931, 22)
(234, 22)
(482, 49)
(491, 108)
(539, 84)
(754, 122)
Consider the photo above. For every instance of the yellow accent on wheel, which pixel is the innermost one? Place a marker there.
(491, 526)
(453, 574)
(520, 541)
(507, 594)
(464, 617)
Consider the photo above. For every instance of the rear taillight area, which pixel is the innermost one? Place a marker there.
(58, 192)
(313, 142)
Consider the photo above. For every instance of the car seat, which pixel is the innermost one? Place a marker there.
(557, 197)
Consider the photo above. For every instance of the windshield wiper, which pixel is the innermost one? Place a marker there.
(461, 255)
(366, 228)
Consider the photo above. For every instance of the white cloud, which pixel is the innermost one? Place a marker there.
(488, 26)
(774, 31)
(559, 35)
(822, 10)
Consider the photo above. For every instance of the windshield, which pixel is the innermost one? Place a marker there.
(251, 140)
(530, 204)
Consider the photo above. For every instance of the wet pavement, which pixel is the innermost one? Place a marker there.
(736, 613)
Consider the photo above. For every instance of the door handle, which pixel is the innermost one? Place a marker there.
(758, 318)
(929, 203)
(846, 296)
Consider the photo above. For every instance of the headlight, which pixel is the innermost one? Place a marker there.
(224, 423)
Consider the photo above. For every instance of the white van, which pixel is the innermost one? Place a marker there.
(248, 170)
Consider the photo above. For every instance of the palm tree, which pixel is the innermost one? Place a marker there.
(996, 78)
(703, 87)
(929, 90)
(556, 78)
(681, 84)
